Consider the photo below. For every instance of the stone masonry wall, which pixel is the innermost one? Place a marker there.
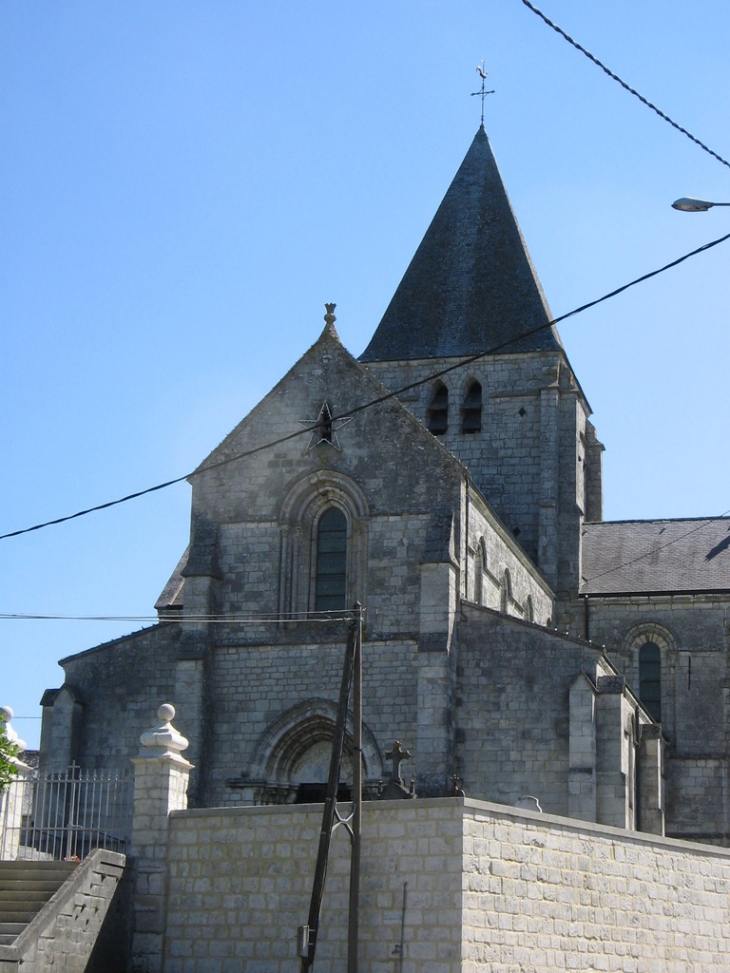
(118, 685)
(463, 886)
(248, 560)
(546, 894)
(253, 686)
(512, 718)
(240, 882)
(490, 555)
(507, 459)
(692, 632)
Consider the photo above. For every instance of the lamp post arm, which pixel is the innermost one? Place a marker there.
(688, 204)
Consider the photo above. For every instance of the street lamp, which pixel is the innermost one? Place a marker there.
(689, 205)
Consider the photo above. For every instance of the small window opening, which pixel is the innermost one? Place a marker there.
(315, 793)
(438, 411)
(506, 593)
(331, 568)
(471, 413)
(650, 679)
(480, 569)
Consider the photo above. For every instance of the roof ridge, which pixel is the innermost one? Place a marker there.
(656, 520)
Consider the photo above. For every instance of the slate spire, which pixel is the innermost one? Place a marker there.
(471, 285)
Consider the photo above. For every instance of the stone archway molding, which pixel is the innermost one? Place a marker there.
(643, 632)
(320, 489)
(285, 741)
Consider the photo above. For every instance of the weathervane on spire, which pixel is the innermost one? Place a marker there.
(482, 93)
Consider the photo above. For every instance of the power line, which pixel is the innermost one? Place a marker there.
(239, 619)
(372, 402)
(254, 618)
(627, 87)
(233, 618)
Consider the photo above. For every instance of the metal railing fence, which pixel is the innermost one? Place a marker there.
(66, 815)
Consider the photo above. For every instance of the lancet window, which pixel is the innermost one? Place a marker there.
(331, 563)
(650, 679)
(438, 410)
(471, 413)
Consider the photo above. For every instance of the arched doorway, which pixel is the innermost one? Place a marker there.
(291, 759)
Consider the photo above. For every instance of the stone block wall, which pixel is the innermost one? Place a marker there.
(529, 458)
(492, 555)
(254, 686)
(513, 713)
(240, 883)
(504, 458)
(550, 894)
(692, 634)
(461, 886)
(117, 685)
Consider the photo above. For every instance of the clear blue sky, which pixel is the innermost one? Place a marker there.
(183, 185)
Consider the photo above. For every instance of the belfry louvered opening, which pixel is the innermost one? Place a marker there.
(438, 410)
(471, 412)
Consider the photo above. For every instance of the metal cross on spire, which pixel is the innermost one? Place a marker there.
(482, 93)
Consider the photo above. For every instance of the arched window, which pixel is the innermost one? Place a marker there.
(438, 411)
(480, 569)
(506, 593)
(650, 679)
(324, 544)
(529, 610)
(471, 413)
(331, 564)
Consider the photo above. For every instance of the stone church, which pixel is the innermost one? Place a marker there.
(449, 480)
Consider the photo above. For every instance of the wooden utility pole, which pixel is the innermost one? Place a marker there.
(330, 818)
(356, 826)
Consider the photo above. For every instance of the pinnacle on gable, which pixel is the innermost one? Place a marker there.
(329, 330)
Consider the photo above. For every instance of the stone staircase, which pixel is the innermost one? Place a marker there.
(25, 887)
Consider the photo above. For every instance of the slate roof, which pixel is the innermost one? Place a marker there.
(642, 556)
(471, 285)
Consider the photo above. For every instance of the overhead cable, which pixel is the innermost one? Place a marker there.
(627, 87)
(232, 618)
(372, 402)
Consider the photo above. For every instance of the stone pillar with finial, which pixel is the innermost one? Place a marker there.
(161, 777)
(11, 797)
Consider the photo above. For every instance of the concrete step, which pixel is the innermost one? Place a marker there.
(23, 900)
(30, 887)
(25, 887)
(45, 869)
(14, 917)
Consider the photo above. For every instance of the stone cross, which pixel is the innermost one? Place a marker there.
(397, 755)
